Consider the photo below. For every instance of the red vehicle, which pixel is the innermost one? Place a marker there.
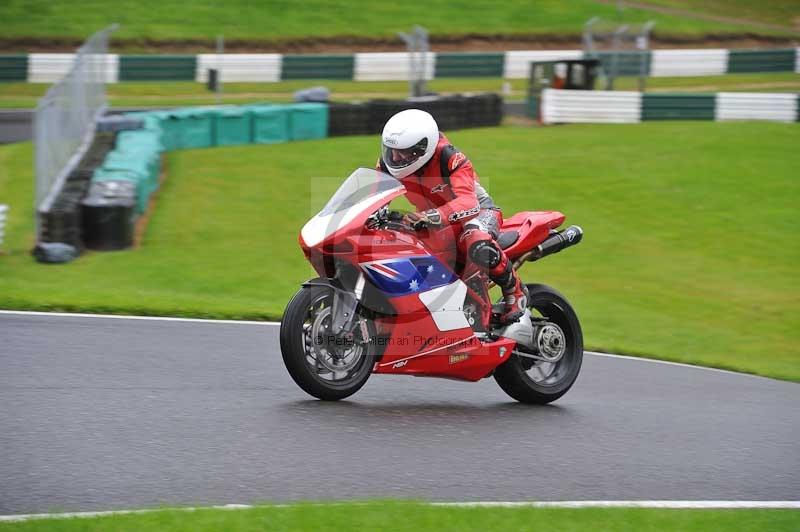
(390, 299)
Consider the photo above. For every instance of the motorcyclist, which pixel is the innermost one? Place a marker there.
(443, 186)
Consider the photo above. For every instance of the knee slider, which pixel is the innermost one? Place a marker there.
(485, 254)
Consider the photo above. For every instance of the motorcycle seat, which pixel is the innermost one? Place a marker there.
(507, 239)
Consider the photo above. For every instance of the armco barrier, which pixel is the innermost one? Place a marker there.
(666, 63)
(566, 106)
(388, 66)
(573, 106)
(518, 62)
(381, 66)
(50, 68)
(756, 106)
(240, 67)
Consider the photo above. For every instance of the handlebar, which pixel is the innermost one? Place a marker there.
(383, 218)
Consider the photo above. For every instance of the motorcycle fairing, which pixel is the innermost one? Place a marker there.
(466, 359)
(533, 228)
(406, 275)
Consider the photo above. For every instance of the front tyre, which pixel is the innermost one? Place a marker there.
(325, 367)
(540, 382)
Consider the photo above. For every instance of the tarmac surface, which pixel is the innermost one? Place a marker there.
(105, 413)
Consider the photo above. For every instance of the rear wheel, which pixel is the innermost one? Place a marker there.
(325, 366)
(560, 339)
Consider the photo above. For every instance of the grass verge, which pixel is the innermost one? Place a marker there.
(419, 516)
(690, 251)
(240, 19)
(157, 94)
(783, 12)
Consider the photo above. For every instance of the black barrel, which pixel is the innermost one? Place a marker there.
(109, 215)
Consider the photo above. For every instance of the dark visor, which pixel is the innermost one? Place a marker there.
(402, 157)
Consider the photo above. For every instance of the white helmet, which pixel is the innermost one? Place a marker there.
(408, 142)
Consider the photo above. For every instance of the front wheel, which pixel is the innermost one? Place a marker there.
(325, 366)
(537, 381)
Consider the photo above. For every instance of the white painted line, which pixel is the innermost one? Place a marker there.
(693, 505)
(121, 317)
(669, 363)
(677, 505)
(85, 515)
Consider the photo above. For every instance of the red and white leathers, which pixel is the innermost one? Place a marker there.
(461, 202)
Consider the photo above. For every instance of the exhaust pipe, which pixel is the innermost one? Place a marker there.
(556, 242)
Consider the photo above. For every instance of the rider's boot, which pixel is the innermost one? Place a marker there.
(515, 294)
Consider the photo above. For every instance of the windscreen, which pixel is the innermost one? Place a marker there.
(361, 185)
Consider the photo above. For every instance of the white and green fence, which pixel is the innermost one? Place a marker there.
(388, 66)
(575, 106)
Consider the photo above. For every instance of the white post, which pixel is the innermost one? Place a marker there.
(220, 59)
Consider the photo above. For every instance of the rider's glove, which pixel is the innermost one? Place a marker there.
(395, 216)
(418, 220)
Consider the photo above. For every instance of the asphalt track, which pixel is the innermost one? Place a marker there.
(101, 413)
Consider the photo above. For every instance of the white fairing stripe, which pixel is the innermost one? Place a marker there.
(446, 305)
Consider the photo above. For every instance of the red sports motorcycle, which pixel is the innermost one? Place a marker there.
(394, 299)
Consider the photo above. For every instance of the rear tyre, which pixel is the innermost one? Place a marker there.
(326, 369)
(538, 382)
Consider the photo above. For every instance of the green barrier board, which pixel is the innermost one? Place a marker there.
(465, 65)
(761, 60)
(317, 67)
(157, 67)
(13, 68)
(678, 106)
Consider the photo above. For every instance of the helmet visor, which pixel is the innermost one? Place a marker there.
(396, 158)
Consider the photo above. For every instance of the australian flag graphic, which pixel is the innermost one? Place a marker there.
(400, 277)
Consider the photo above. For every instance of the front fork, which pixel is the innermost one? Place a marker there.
(344, 308)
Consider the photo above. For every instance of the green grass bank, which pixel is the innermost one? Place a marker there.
(281, 19)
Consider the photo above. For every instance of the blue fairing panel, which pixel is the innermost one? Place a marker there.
(400, 277)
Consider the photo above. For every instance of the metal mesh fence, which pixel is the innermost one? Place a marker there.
(622, 49)
(418, 48)
(64, 120)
